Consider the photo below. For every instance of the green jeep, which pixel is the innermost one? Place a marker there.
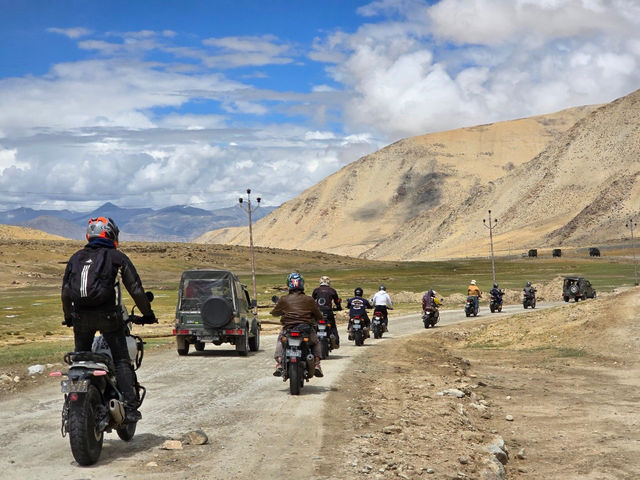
(213, 306)
(577, 288)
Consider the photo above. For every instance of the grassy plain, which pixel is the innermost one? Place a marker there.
(31, 274)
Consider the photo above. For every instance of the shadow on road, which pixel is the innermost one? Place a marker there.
(115, 449)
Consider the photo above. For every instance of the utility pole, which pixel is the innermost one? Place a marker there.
(248, 209)
(491, 226)
(630, 224)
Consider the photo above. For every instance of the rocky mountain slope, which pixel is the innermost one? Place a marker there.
(8, 232)
(557, 180)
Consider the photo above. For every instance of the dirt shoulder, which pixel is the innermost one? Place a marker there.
(559, 388)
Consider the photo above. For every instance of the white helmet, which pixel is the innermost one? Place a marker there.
(324, 280)
(473, 282)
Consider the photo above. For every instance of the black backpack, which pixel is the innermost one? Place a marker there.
(92, 278)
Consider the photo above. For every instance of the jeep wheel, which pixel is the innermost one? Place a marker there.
(199, 346)
(254, 342)
(183, 346)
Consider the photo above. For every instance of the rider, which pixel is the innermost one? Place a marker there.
(497, 293)
(430, 301)
(357, 306)
(324, 295)
(297, 308)
(474, 291)
(382, 301)
(529, 291)
(102, 236)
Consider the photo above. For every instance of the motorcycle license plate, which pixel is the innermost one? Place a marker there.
(71, 386)
(322, 327)
(356, 326)
(293, 353)
(322, 333)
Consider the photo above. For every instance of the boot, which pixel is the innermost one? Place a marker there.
(278, 371)
(335, 345)
(318, 370)
(132, 414)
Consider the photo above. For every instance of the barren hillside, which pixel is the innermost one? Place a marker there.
(10, 232)
(553, 180)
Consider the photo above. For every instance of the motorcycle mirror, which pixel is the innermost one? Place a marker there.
(254, 303)
(274, 299)
(149, 295)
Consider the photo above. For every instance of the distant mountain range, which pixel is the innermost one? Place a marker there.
(178, 223)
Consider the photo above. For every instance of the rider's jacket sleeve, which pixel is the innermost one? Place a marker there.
(132, 282)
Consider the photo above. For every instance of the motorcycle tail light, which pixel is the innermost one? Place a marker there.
(321, 321)
(73, 397)
(294, 334)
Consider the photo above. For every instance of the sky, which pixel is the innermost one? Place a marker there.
(191, 102)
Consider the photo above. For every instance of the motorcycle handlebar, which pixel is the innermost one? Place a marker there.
(140, 320)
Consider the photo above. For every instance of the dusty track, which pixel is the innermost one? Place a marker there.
(256, 429)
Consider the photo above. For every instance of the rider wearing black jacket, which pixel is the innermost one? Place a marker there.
(497, 293)
(102, 233)
(324, 296)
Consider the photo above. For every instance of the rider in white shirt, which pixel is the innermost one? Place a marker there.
(381, 301)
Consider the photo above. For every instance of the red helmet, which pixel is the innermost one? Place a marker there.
(103, 227)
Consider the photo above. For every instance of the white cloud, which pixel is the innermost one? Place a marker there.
(8, 160)
(230, 52)
(509, 59)
(73, 33)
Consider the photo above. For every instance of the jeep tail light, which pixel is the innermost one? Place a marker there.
(234, 331)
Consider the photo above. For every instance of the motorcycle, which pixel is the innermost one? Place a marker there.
(377, 324)
(430, 317)
(470, 307)
(359, 331)
(529, 300)
(495, 305)
(93, 403)
(324, 335)
(298, 361)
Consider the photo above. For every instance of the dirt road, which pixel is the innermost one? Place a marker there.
(255, 428)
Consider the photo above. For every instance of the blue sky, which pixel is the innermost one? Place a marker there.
(155, 103)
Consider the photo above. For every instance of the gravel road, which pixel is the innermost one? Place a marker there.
(255, 428)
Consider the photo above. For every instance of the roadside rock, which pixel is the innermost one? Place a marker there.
(36, 370)
(195, 437)
(171, 445)
(452, 392)
(493, 470)
(392, 429)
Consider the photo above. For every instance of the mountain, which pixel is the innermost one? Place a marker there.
(177, 223)
(564, 179)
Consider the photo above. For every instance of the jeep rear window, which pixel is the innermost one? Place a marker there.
(196, 291)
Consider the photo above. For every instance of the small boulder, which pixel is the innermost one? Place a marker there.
(171, 445)
(36, 370)
(196, 437)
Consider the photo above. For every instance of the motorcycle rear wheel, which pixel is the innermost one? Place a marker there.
(85, 440)
(325, 348)
(359, 338)
(295, 379)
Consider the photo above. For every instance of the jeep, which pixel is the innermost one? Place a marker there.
(577, 288)
(214, 307)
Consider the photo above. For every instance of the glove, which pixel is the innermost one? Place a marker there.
(151, 318)
(68, 319)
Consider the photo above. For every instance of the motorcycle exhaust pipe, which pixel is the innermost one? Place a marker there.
(116, 409)
(311, 364)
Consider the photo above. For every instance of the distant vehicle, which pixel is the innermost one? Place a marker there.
(594, 252)
(213, 306)
(577, 288)
(556, 252)
(533, 253)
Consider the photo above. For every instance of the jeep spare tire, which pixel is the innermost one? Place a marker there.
(216, 312)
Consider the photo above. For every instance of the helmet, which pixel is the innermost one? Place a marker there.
(473, 282)
(528, 284)
(295, 281)
(324, 280)
(358, 292)
(382, 287)
(103, 227)
(495, 285)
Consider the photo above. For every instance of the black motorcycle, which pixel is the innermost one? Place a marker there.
(529, 300)
(430, 317)
(324, 335)
(377, 324)
(298, 361)
(495, 303)
(470, 307)
(93, 402)
(359, 330)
